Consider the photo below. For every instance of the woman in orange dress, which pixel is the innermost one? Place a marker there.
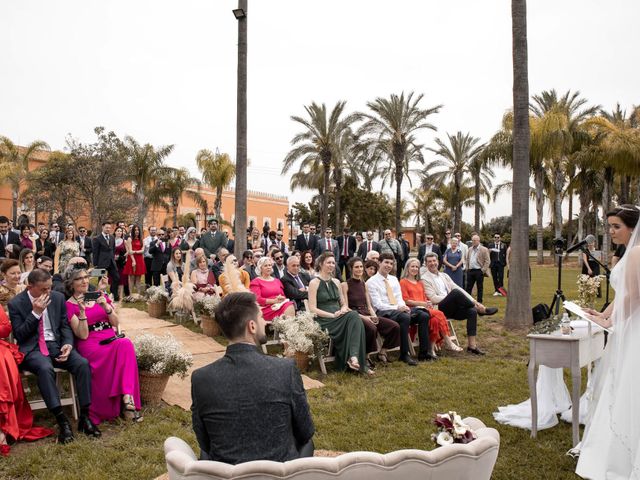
(16, 419)
(134, 268)
(414, 296)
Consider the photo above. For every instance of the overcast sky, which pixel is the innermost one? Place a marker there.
(165, 71)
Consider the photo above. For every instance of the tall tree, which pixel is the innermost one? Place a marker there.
(458, 158)
(14, 167)
(518, 312)
(320, 143)
(176, 183)
(388, 135)
(146, 164)
(217, 171)
(240, 230)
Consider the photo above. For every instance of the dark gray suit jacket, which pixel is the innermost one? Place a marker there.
(292, 290)
(250, 406)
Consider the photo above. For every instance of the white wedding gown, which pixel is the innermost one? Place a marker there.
(611, 441)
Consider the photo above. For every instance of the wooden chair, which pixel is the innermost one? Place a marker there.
(413, 336)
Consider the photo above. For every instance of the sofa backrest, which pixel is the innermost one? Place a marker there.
(453, 462)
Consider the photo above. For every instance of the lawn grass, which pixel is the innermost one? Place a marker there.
(389, 412)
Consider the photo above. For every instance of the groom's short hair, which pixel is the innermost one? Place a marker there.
(234, 312)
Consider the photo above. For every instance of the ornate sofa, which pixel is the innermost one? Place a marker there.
(453, 462)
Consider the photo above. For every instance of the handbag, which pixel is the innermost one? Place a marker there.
(540, 312)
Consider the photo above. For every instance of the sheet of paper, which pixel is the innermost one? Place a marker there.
(577, 310)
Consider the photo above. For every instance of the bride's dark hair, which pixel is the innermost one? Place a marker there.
(628, 213)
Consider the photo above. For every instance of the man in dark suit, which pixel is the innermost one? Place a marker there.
(55, 234)
(7, 237)
(278, 263)
(429, 246)
(85, 244)
(327, 243)
(40, 327)
(279, 426)
(368, 245)
(295, 282)
(347, 249)
(498, 253)
(306, 240)
(213, 240)
(103, 247)
(158, 249)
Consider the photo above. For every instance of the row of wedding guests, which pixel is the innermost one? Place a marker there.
(62, 330)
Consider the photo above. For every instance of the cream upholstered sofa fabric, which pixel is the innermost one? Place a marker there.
(452, 462)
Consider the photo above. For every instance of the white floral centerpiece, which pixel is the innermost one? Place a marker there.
(301, 334)
(451, 429)
(207, 305)
(162, 355)
(588, 289)
(156, 294)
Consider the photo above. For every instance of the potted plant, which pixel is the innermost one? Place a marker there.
(159, 357)
(157, 301)
(205, 308)
(302, 337)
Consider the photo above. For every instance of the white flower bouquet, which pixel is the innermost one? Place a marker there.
(451, 429)
(588, 289)
(301, 334)
(207, 305)
(162, 355)
(156, 294)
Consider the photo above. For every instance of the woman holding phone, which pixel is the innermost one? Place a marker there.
(114, 369)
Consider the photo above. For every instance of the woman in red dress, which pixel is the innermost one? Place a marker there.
(16, 420)
(135, 268)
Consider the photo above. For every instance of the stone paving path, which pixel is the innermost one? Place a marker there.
(204, 350)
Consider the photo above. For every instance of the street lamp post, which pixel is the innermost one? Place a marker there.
(289, 217)
(198, 218)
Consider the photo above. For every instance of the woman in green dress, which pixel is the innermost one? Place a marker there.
(332, 312)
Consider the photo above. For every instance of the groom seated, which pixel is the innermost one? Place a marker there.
(39, 322)
(452, 300)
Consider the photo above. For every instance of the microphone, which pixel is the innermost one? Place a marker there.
(580, 245)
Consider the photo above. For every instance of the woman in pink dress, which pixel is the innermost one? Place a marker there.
(114, 369)
(269, 292)
(134, 268)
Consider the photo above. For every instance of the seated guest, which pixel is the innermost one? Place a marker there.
(27, 263)
(278, 263)
(370, 269)
(295, 282)
(355, 291)
(12, 285)
(218, 264)
(307, 263)
(199, 252)
(44, 247)
(203, 279)
(175, 269)
(332, 312)
(114, 369)
(386, 299)
(39, 321)
(414, 296)
(453, 301)
(270, 293)
(234, 279)
(230, 424)
(25, 237)
(45, 263)
(373, 256)
(190, 242)
(16, 419)
(248, 264)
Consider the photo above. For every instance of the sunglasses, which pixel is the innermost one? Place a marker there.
(429, 238)
(278, 258)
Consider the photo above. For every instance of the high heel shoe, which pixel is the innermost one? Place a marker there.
(353, 364)
(129, 410)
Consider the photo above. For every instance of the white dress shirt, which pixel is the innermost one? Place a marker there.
(46, 324)
(378, 292)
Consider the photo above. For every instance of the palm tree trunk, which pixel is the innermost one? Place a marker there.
(326, 164)
(570, 221)
(476, 213)
(539, 183)
(240, 232)
(217, 205)
(175, 213)
(142, 207)
(558, 183)
(14, 207)
(606, 193)
(338, 180)
(399, 164)
(518, 312)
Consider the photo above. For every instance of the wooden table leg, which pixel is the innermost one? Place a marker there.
(576, 380)
(533, 377)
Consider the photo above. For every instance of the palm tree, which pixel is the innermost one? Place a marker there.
(388, 137)
(518, 313)
(482, 174)
(146, 164)
(174, 184)
(457, 159)
(218, 171)
(240, 230)
(14, 166)
(319, 144)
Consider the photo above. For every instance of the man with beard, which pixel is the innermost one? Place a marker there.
(229, 434)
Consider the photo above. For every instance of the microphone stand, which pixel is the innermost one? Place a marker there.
(607, 274)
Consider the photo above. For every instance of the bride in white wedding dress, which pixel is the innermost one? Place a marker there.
(610, 446)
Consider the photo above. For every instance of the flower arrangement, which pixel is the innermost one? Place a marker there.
(207, 305)
(548, 326)
(588, 289)
(451, 429)
(301, 334)
(162, 355)
(156, 294)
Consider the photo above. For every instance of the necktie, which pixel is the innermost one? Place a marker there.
(299, 282)
(328, 244)
(41, 342)
(306, 239)
(345, 251)
(6, 239)
(368, 246)
(162, 247)
(390, 294)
